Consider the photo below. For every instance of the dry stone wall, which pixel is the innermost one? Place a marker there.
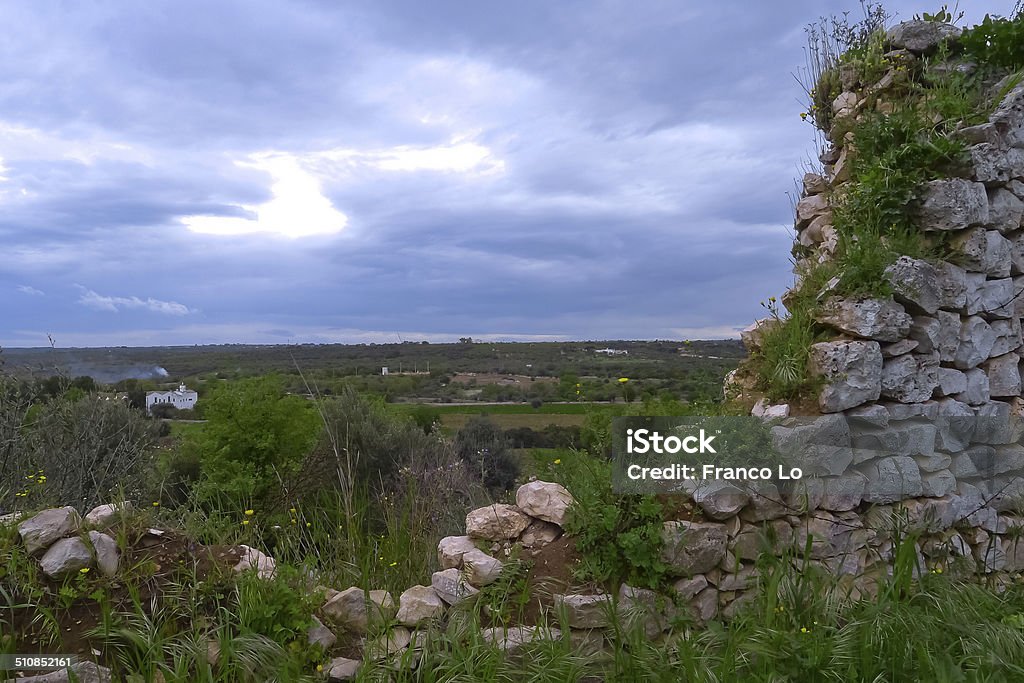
(920, 391)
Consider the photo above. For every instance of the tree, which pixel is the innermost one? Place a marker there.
(254, 434)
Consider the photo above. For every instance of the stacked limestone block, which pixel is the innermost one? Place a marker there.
(952, 329)
(920, 391)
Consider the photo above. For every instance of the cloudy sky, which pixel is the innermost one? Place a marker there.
(195, 172)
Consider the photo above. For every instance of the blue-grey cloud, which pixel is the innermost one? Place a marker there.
(260, 170)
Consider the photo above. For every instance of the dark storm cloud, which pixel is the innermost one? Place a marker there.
(572, 169)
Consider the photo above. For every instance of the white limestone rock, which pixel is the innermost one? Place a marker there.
(419, 605)
(451, 549)
(544, 500)
(65, 557)
(911, 378)
(953, 204)
(44, 529)
(879, 319)
(852, 372)
(693, 547)
(498, 522)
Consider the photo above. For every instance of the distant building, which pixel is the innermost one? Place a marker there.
(181, 398)
(384, 370)
(613, 352)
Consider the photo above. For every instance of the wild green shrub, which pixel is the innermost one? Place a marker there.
(71, 450)
(618, 536)
(997, 42)
(483, 447)
(254, 436)
(895, 155)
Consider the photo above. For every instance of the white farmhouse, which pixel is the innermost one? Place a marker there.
(180, 398)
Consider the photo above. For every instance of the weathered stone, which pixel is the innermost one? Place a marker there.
(645, 607)
(879, 319)
(814, 184)
(264, 565)
(867, 416)
(994, 297)
(953, 204)
(103, 516)
(1008, 118)
(821, 447)
(891, 479)
(843, 492)
(586, 611)
(451, 549)
(1005, 212)
(920, 36)
(480, 568)
(544, 500)
(743, 579)
(1003, 375)
(955, 424)
(809, 208)
(929, 410)
(513, 639)
(911, 438)
(318, 634)
(392, 642)
(829, 536)
(990, 554)
(498, 522)
(902, 347)
(933, 462)
(910, 378)
(776, 412)
(107, 555)
(693, 547)
(993, 424)
(418, 605)
(719, 499)
(539, 534)
(814, 233)
(925, 287)
(976, 341)
(41, 531)
(773, 538)
(1008, 336)
(852, 371)
(984, 251)
(343, 669)
(995, 165)
(845, 104)
(452, 587)
(766, 502)
(689, 587)
(938, 484)
(951, 381)
(357, 610)
(977, 391)
(705, 605)
(66, 556)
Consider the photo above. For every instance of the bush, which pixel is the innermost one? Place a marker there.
(483, 447)
(255, 435)
(79, 452)
(997, 42)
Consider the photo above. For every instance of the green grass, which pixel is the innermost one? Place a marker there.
(510, 409)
